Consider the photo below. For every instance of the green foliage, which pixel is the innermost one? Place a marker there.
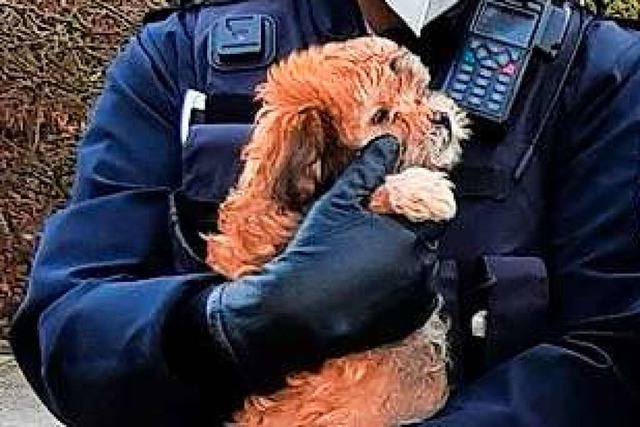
(53, 53)
(621, 8)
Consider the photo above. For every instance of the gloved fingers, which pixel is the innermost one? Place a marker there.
(366, 172)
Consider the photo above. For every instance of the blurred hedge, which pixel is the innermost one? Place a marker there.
(624, 8)
(53, 53)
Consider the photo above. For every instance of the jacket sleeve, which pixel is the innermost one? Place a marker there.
(105, 335)
(589, 375)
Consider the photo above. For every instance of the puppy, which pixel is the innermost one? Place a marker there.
(319, 107)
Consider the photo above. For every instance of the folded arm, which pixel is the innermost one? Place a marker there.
(97, 335)
(589, 374)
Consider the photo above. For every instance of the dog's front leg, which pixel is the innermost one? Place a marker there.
(417, 193)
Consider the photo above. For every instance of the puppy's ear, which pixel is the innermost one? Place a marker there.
(296, 151)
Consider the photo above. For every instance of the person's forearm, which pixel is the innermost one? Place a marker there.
(94, 335)
(100, 342)
(570, 383)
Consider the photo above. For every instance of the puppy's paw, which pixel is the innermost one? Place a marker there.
(417, 193)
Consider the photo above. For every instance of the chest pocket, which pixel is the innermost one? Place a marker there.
(211, 160)
(210, 167)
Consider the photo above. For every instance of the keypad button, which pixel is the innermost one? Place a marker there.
(466, 68)
(482, 53)
(504, 79)
(494, 106)
(458, 96)
(468, 57)
(474, 100)
(464, 78)
(475, 43)
(478, 91)
(503, 59)
(497, 97)
(500, 88)
(510, 69)
(459, 87)
(485, 73)
(482, 82)
(494, 48)
(515, 54)
(489, 63)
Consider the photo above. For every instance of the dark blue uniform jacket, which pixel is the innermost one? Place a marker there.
(97, 336)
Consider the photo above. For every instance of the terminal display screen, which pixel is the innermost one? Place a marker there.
(506, 24)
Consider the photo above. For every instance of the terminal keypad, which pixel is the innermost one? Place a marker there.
(486, 75)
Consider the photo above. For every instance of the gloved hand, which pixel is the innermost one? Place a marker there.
(349, 280)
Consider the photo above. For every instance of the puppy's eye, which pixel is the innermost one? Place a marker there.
(381, 116)
(441, 119)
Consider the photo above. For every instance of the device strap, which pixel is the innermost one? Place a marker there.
(574, 42)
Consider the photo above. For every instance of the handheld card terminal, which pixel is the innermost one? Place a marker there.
(486, 76)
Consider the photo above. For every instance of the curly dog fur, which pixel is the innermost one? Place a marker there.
(319, 107)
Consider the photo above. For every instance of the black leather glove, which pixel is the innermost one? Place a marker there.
(349, 280)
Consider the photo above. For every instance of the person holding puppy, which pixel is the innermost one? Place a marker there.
(123, 325)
